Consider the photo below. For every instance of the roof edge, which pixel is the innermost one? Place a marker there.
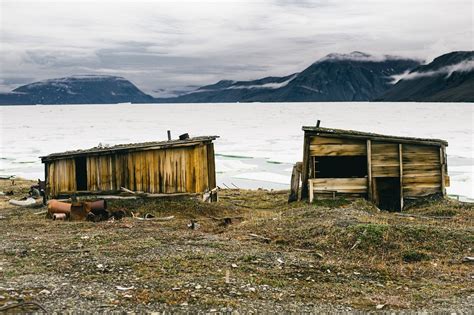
(129, 146)
(369, 135)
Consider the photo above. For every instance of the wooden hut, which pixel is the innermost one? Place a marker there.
(384, 169)
(175, 166)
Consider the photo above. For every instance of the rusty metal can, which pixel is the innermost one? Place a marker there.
(59, 216)
(55, 206)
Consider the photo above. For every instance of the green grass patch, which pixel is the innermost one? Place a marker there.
(414, 256)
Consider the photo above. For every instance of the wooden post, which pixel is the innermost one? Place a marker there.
(400, 155)
(311, 191)
(369, 170)
(305, 168)
(442, 161)
(169, 135)
(295, 182)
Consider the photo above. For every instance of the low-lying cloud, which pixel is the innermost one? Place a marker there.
(464, 66)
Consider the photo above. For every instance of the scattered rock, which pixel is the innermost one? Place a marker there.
(120, 288)
(379, 306)
(468, 259)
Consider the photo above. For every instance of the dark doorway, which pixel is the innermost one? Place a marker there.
(81, 173)
(340, 166)
(387, 190)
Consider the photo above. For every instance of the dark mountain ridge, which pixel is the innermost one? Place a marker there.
(336, 77)
(448, 78)
(84, 89)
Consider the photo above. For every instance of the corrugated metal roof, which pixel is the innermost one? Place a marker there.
(130, 147)
(373, 136)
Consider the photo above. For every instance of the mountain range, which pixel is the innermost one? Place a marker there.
(449, 78)
(337, 77)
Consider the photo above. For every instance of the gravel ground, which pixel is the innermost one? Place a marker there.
(328, 257)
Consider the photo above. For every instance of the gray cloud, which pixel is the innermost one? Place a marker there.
(166, 46)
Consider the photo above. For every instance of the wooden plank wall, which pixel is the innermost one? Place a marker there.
(385, 159)
(61, 176)
(422, 165)
(172, 170)
(349, 187)
(421, 170)
(332, 146)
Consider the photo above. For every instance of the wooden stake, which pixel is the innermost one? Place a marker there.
(400, 154)
(369, 170)
(306, 169)
(443, 170)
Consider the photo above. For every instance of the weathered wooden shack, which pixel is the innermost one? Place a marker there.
(175, 166)
(386, 170)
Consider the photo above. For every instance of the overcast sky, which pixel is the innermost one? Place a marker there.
(174, 45)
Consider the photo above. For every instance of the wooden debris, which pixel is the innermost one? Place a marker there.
(410, 215)
(149, 217)
(260, 238)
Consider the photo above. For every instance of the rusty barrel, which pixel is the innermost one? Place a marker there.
(79, 211)
(98, 205)
(55, 206)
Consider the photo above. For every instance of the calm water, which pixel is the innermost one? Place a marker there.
(259, 142)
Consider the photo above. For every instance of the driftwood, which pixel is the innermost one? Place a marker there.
(22, 304)
(312, 251)
(260, 238)
(147, 217)
(225, 221)
(409, 215)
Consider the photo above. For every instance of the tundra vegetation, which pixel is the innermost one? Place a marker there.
(327, 256)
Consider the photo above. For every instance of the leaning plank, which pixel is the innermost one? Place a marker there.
(369, 169)
(295, 182)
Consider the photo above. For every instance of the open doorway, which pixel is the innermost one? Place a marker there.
(81, 173)
(387, 193)
(340, 166)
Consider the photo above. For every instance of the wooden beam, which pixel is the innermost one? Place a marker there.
(376, 138)
(369, 170)
(442, 161)
(306, 169)
(400, 154)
